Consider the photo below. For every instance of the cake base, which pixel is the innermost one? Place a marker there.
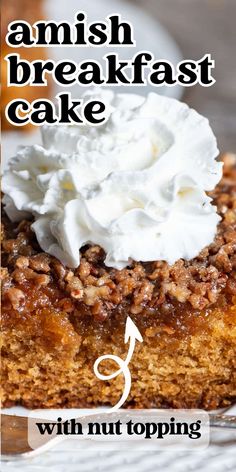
(53, 366)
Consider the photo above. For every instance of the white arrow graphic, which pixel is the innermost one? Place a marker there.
(131, 333)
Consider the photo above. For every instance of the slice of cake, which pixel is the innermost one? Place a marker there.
(120, 221)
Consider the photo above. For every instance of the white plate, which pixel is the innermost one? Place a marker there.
(88, 456)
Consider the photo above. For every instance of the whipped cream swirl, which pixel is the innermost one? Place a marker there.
(135, 185)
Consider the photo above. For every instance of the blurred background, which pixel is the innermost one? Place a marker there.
(200, 27)
(171, 29)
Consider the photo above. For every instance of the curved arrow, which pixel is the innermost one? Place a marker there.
(131, 333)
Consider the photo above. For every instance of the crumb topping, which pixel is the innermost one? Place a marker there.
(198, 282)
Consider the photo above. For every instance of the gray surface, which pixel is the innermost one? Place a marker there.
(200, 27)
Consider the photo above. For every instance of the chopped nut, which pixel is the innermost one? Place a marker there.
(22, 262)
(40, 263)
(21, 275)
(143, 293)
(92, 294)
(59, 269)
(84, 269)
(181, 293)
(15, 296)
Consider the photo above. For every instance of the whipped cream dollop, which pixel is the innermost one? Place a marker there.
(135, 185)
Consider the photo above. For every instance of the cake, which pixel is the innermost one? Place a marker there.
(57, 320)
